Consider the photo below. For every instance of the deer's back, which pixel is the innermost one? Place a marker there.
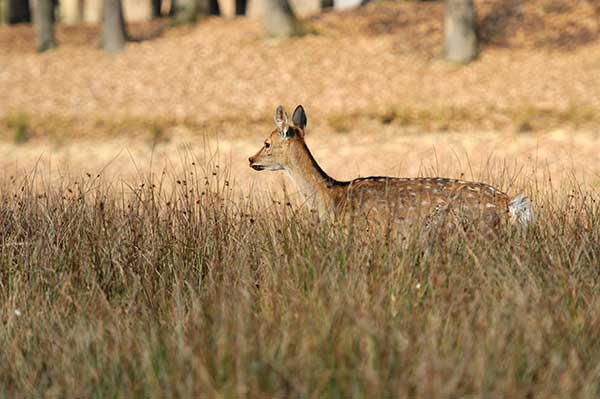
(409, 198)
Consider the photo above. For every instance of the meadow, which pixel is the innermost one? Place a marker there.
(178, 284)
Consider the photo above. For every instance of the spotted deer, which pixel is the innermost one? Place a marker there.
(429, 199)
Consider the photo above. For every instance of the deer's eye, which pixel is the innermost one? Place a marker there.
(267, 145)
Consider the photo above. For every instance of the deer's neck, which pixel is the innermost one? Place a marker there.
(317, 187)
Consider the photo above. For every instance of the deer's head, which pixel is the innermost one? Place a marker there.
(275, 152)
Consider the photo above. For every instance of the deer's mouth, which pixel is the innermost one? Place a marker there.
(257, 167)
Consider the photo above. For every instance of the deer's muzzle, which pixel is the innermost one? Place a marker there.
(253, 165)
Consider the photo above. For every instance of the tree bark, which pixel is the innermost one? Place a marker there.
(80, 10)
(114, 34)
(214, 8)
(240, 7)
(460, 43)
(156, 8)
(279, 19)
(44, 24)
(188, 11)
(19, 12)
(325, 4)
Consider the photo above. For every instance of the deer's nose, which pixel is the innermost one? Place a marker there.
(251, 159)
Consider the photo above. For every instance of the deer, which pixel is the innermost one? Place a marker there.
(428, 199)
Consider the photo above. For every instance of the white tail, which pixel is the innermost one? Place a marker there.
(521, 210)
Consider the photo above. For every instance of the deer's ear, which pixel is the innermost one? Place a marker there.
(281, 120)
(299, 117)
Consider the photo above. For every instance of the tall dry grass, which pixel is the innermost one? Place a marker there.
(181, 286)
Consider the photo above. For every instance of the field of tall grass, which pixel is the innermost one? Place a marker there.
(180, 284)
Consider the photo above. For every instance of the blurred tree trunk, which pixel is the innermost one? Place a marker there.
(279, 19)
(156, 8)
(240, 7)
(80, 10)
(325, 4)
(213, 8)
(44, 24)
(460, 43)
(19, 12)
(114, 34)
(3, 13)
(187, 11)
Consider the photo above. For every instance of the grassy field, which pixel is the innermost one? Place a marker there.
(177, 285)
